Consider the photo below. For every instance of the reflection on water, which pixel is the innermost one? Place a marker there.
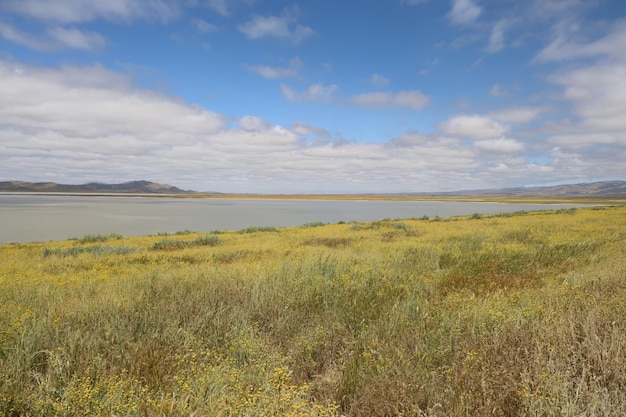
(25, 218)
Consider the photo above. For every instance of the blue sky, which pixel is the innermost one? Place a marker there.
(314, 97)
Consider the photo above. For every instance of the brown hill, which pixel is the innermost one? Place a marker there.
(92, 187)
(599, 189)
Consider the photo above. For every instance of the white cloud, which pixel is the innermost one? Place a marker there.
(586, 140)
(56, 38)
(410, 99)
(92, 102)
(413, 2)
(597, 92)
(79, 124)
(473, 127)
(203, 26)
(496, 39)
(56, 14)
(75, 11)
(315, 92)
(284, 26)
(219, 6)
(378, 80)
(253, 124)
(564, 46)
(520, 114)
(497, 90)
(549, 9)
(77, 39)
(464, 12)
(12, 34)
(502, 145)
(304, 129)
(291, 70)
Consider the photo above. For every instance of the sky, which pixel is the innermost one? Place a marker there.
(325, 96)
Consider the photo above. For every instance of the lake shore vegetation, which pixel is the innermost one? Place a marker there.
(513, 314)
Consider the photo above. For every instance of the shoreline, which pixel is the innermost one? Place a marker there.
(505, 199)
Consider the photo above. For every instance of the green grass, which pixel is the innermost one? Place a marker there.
(175, 244)
(98, 250)
(506, 315)
(99, 238)
(255, 229)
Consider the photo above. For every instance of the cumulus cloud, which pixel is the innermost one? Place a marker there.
(253, 124)
(78, 124)
(518, 114)
(598, 94)
(91, 102)
(585, 140)
(98, 126)
(284, 26)
(304, 129)
(473, 127)
(502, 145)
(291, 70)
(410, 99)
(464, 12)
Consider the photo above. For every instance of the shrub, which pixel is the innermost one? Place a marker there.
(100, 238)
(331, 242)
(175, 244)
(312, 224)
(254, 229)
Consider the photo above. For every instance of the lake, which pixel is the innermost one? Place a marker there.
(27, 218)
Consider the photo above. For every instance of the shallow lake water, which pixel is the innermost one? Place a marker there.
(27, 218)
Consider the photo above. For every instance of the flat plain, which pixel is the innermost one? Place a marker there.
(512, 314)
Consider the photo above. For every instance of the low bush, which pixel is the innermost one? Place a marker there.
(175, 244)
(255, 229)
(100, 238)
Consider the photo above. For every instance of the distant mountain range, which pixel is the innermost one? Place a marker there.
(130, 187)
(600, 189)
(603, 188)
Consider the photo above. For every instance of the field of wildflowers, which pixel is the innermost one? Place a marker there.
(518, 314)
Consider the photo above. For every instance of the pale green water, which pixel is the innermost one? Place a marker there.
(26, 218)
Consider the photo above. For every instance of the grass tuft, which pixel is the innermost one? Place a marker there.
(100, 238)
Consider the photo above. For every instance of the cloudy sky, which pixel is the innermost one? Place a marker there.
(329, 96)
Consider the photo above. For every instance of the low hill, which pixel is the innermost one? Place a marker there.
(92, 187)
(597, 189)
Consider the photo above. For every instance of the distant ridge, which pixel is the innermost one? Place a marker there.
(594, 189)
(130, 187)
(602, 188)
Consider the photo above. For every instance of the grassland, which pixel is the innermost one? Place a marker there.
(487, 315)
